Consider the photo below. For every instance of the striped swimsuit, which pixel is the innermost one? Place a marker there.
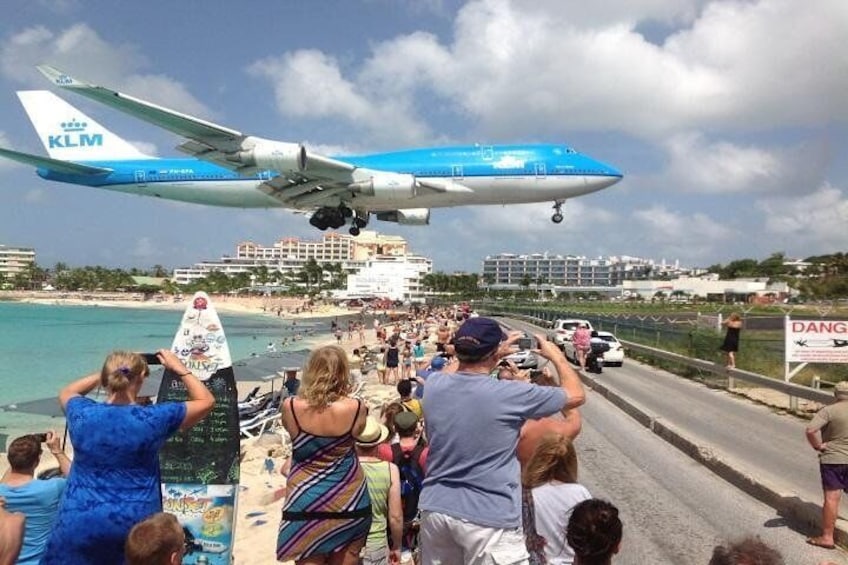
(327, 506)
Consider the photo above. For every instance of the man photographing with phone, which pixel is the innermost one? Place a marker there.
(471, 500)
(38, 500)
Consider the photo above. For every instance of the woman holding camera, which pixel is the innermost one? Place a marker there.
(114, 481)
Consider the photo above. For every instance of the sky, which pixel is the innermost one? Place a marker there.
(729, 119)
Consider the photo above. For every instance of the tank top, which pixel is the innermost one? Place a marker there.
(379, 479)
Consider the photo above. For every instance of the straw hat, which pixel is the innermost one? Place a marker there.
(374, 433)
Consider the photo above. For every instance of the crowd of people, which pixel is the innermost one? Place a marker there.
(473, 463)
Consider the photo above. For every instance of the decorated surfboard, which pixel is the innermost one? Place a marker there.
(200, 467)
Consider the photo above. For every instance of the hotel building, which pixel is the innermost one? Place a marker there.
(544, 269)
(14, 260)
(382, 262)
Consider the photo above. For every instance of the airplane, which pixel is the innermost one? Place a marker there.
(231, 168)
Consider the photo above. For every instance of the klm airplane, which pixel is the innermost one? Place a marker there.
(230, 168)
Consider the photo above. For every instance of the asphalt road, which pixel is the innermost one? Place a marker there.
(675, 510)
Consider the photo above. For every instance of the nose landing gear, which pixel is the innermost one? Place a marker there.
(557, 217)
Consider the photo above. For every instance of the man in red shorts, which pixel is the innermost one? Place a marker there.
(827, 433)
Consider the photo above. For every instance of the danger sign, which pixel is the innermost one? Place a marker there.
(816, 341)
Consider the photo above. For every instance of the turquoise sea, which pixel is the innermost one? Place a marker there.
(43, 347)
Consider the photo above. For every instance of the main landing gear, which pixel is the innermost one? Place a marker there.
(360, 220)
(330, 217)
(557, 217)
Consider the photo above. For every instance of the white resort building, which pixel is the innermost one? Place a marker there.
(382, 264)
(14, 260)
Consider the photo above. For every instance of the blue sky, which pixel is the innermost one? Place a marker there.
(728, 118)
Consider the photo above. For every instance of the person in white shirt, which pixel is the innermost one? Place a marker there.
(551, 492)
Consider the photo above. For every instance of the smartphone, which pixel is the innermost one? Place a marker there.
(525, 343)
(151, 359)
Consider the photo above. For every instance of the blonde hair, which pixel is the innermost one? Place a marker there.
(122, 368)
(734, 317)
(326, 376)
(553, 460)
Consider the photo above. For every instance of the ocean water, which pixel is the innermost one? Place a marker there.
(43, 347)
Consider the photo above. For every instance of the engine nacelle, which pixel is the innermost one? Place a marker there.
(407, 217)
(274, 155)
(394, 186)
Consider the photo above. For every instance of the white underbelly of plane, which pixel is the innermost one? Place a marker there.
(477, 191)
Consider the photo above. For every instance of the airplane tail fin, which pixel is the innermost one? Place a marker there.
(70, 135)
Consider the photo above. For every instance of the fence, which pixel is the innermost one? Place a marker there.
(684, 347)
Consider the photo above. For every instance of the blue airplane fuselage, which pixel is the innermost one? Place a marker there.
(488, 174)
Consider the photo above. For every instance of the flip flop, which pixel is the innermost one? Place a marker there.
(818, 543)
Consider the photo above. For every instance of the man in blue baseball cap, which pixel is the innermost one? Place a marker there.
(471, 501)
(437, 363)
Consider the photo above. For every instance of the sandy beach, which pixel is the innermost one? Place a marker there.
(282, 307)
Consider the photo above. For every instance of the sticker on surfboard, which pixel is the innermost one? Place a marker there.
(200, 467)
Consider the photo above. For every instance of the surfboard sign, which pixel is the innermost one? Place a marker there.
(200, 467)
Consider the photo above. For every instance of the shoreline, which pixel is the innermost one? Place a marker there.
(272, 307)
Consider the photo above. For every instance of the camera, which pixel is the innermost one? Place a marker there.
(535, 374)
(151, 358)
(525, 343)
(41, 438)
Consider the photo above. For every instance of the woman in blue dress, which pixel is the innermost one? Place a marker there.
(114, 481)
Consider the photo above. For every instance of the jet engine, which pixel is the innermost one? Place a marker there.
(407, 217)
(395, 186)
(273, 155)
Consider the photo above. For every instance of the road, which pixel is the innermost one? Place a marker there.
(675, 510)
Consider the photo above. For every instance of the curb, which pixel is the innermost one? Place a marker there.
(788, 504)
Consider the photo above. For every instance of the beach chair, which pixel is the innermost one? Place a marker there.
(266, 421)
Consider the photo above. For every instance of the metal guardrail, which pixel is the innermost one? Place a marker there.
(791, 389)
(794, 391)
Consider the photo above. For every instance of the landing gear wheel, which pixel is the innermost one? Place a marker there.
(346, 212)
(556, 218)
(354, 231)
(360, 222)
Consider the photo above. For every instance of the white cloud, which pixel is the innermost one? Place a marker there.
(563, 67)
(697, 164)
(813, 223)
(310, 84)
(80, 51)
(676, 234)
(35, 196)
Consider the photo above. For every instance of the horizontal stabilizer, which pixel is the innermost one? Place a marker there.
(53, 164)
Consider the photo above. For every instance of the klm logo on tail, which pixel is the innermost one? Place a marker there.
(74, 136)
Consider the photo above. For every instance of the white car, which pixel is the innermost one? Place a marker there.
(615, 355)
(562, 330)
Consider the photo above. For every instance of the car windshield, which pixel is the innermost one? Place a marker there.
(609, 338)
(569, 326)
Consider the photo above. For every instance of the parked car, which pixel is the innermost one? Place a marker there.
(613, 357)
(562, 330)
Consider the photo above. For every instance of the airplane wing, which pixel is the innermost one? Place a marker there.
(227, 147)
(53, 164)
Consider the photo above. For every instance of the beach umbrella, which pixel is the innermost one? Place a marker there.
(41, 407)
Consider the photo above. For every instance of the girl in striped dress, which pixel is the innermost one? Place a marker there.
(327, 513)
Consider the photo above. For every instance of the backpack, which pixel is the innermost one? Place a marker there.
(411, 479)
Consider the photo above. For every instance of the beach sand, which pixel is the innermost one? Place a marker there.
(289, 308)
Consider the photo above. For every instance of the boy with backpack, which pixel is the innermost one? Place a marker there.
(411, 460)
